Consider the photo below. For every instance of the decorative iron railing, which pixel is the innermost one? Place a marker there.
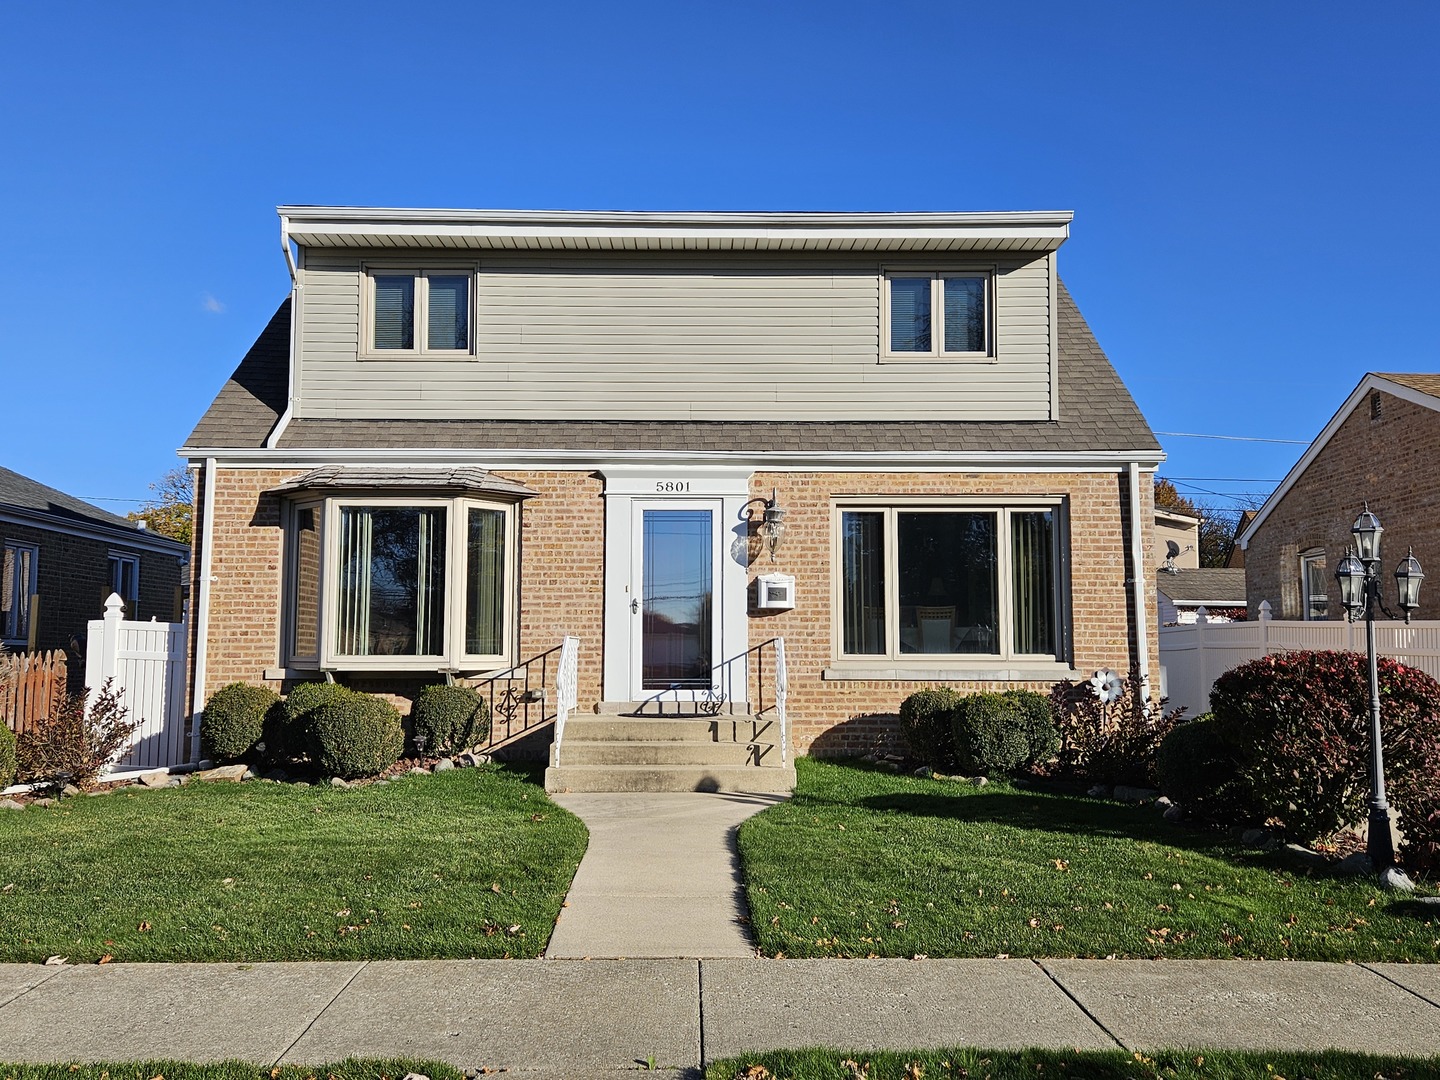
(518, 699)
(767, 687)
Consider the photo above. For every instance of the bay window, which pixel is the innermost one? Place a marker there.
(400, 583)
(918, 581)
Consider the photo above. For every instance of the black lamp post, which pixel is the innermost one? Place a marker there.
(1359, 577)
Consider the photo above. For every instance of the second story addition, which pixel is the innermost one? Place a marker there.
(442, 315)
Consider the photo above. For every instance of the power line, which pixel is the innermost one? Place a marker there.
(1224, 479)
(1232, 438)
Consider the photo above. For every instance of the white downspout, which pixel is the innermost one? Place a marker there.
(273, 439)
(202, 608)
(1137, 560)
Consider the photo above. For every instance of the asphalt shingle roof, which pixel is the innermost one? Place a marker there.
(25, 494)
(1205, 584)
(1425, 383)
(1096, 413)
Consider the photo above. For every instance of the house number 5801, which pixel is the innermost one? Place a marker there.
(672, 487)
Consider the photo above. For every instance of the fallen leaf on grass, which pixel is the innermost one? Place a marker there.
(56, 961)
(144, 928)
(105, 959)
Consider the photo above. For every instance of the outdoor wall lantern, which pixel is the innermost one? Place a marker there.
(1358, 576)
(772, 524)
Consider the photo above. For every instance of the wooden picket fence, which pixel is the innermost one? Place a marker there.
(29, 685)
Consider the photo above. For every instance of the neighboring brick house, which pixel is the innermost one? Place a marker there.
(1381, 448)
(468, 433)
(63, 557)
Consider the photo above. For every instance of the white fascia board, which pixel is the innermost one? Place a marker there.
(35, 519)
(760, 461)
(1370, 382)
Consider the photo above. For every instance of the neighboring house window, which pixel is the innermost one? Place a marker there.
(939, 314)
(419, 311)
(1313, 585)
(17, 587)
(953, 581)
(422, 584)
(125, 581)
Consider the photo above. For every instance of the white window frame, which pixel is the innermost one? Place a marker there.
(19, 636)
(937, 353)
(421, 274)
(1006, 657)
(1309, 558)
(132, 603)
(453, 657)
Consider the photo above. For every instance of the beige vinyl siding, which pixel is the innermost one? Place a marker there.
(655, 337)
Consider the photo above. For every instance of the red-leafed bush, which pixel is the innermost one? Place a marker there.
(1110, 742)
(1300, 722)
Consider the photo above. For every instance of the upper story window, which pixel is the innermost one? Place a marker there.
(1314, 585)
(419, 312)
(939, 314)
(17, 588)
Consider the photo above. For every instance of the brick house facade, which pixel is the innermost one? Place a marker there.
(1378, 448)
(1058, 493)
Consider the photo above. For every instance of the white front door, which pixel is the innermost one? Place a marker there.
(676, 617)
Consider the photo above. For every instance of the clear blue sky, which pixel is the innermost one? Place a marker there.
(1254, 184)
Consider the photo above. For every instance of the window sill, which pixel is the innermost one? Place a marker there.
(411, 357)
(932, 358)
(996, 672)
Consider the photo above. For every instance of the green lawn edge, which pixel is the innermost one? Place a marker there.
(469, 863)
(349, 1069)
(979, 1064)
(862, 862)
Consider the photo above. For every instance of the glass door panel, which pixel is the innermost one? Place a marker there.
(677, 603)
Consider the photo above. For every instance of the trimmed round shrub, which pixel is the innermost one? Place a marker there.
(1037, 724)
(927, 717)
(287, 729)
(449, 718)
(1198, 768)
(989, 734)
(1301, 725)
(234, 721)
(7, 756)
(355, 735)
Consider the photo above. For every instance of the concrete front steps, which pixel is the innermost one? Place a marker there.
(645, 746)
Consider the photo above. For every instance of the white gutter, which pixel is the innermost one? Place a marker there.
(202, 608)
(273, 438)
(1137, 583)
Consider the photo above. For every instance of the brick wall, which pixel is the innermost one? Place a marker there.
(562, 544)
(1389, 460)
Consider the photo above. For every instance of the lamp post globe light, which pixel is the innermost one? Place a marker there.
(1358, 576)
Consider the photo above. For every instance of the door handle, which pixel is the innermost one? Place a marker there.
(634, 606)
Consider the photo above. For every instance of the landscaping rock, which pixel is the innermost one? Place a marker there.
(1099, 791)
(1303, 858)
(231, 773)
(415, 1076)
(1255, 837)
(69, 791)
(43, 804)
(1358, 864)
(924, 772)
(101, 791)
(444, 765)
(278, 775)
(1124, 793)
(890, 766)
(979, 781)
(416, 770)
(1174, 812)
(11, 804)
(336, 782)
(1163, 803)
(176, 781)
(250, 774)
(155, 779)
(1396, 880)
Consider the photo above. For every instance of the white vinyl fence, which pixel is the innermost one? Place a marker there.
(147, 662)
(1193, 657)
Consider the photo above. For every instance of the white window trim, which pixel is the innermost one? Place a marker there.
(937, 353)
(1311, 555)
(370, 271)
(1003, 664)
(22, 638)
(454, 658)
(131, 602)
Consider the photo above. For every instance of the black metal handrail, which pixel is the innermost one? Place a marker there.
(519, 700)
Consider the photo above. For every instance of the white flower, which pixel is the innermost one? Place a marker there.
(1107, 685)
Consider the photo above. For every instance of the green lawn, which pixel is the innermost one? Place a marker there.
(869, 863)
(350, 1069)
(1086, 1064)
(469, 863)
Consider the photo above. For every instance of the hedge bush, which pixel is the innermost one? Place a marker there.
(7, 756)
(927, 719)
(1112, 743)
(449, 718)
(354, 735)
(287, 729)
(234, 721)
(1197, 766)
(990, 736)
(1037, 724)
(1301, 722)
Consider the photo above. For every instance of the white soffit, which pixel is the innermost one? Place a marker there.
(1360, 393)
(361, 227)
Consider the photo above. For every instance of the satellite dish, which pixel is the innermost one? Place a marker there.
(1172, 549)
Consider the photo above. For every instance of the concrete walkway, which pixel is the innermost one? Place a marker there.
(661, 877)
(604, 1018)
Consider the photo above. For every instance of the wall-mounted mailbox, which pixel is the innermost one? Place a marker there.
(775, 592)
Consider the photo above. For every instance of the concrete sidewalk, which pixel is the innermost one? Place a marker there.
(602, 1018)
